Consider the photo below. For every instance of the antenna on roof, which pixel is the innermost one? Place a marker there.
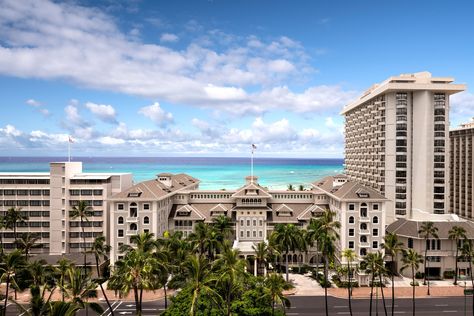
(69, 142)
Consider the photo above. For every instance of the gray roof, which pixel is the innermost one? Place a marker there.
(154, 189)
(350, 190)
(410, 228)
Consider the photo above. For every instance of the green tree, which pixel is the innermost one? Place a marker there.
(288, 237)
(223, 226)
(428, 230)
(392, 247)
(290, 187)
(411, 259)
(27, 242)
(261, 255)
(230, 273)
(301, 187)
(12, 262)
(350, 256)
(62, 267)
(100, 250)
(275, 284)
(14, 217)
(60, 308)
(467, 251)
(456, 233)
(3, 225)
(135, 272)
(82, 211)
(79, 288)
(324, 231)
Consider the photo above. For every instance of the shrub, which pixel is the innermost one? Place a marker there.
(419, 275)
(448, 274)
(320, 279)
(344, 284)
(416, 283)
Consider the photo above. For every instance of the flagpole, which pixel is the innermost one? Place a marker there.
(69, 150)
(251, 167)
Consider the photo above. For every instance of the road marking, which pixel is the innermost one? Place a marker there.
(450, 311)
(112, 305)
(120, 303)
(340, 306)
(343, 313)
(439, 305)
(399, 312)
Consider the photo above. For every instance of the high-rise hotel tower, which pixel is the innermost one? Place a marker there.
(397, 142)
(461, 171)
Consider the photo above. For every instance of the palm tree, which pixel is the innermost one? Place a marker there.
(288, 237)
(59, 308)
(80, 288)
(3, 225)
(198, 278)
(231, 270)
(199, 236)
(136, 271)
(370, 265)
(411, 259)
(351, 256)
(223, 225)
(28, 242)
(82, 211)
(261, 254)
(467, 251)
(8, 268)
(392, 247)
(290, 187)
(100, 250)
(14, 217)
(301, 187)
(275, 285)
(324, 231)
(426, 231)
(456, 234)
(62, 267)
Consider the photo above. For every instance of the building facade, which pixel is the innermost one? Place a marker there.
(441, 252)
(175, 203)
(397, 142)
(461, 175)
(46, 199)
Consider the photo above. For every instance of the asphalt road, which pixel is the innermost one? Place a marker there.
(314, 305)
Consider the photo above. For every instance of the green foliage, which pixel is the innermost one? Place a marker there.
(448, 274)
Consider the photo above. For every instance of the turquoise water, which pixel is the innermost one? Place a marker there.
(214, 173)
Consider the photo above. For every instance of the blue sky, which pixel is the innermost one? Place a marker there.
(209, 78)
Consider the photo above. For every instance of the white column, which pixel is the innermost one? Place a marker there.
(255, 266)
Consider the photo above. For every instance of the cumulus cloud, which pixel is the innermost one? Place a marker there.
(169, 37)
(155, 113)
(462, 108)
(33, 102)
(10, 131)
(105, 113)
(216, 70)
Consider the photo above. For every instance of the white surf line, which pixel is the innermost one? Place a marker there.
(113, 309)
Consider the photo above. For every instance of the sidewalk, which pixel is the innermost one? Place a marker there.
(305, 286)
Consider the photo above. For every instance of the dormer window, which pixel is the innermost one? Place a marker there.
(285, 213)
(134, 194)
(184, 213)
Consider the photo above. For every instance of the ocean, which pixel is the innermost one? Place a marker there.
(214, 173)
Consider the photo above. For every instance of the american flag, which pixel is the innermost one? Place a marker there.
(70, 139)
(253, 147)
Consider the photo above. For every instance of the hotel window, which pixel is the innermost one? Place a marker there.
(120, 220)
(260, 222)
(254, 233)
(146, 220)
(351, 219)
(146, 206)
(241, 222)
(120, 232)
(260, 234)
(248, 233)
(351, 207)
(410, 243)
(375, 232)
(351, 232)
(120, 207)
(363, 226)
(375, 207)
(248, 222)
(254, 222)
(242, 233)
(375, 244)
(351, 245)
(375, 220)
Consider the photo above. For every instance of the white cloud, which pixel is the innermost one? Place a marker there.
(462, 108)
(155, 113)
(72, 114)
(33, 102)
(104, 112)
(169, 38)
(107, 140)
(10, 131)
(56, 40)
